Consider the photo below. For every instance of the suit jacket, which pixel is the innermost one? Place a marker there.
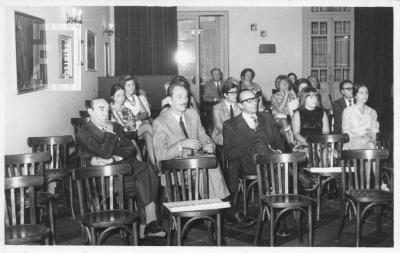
(241, 142)
(210, 92)
(167, 132)
(338, 106)
(221, 113)
(95, 142)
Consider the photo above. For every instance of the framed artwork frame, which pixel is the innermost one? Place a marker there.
(31, 54)
(65, 56)
(91, 48)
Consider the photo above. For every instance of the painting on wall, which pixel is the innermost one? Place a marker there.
(30, 44)
(90, 51)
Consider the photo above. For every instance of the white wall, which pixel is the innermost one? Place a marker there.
(45, 112)
(284, 29)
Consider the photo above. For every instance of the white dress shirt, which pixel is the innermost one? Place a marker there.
(250, 120)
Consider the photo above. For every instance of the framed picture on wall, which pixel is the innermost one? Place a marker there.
(91, 51)
(30, 45)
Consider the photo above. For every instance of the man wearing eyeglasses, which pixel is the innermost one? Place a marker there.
(346, 88)
(249, 133)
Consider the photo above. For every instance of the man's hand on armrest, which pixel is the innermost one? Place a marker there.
(97, 161)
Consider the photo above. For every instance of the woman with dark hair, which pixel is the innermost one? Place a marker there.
(280, 109)
(297, 87)
(140, 108)
(360, 122)
(309, 118)
(292, 77)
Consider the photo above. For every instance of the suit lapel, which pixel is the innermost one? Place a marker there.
(95, 130)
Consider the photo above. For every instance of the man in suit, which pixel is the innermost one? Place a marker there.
(212, 92)
(249, 133)
(224, 110)
(178, 132)
(346, 88)
(104, 142)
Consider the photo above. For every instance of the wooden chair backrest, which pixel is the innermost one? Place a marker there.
(324, 150)
(101, 188)
(367, 168)
(179, 174)
(58, 146)
(20, 194)
(385, 141)
(273, 173)
(26, 164)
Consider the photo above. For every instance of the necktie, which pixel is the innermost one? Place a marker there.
(184, 132)
(349, 102)
(255, 121)
(219, 90)
(231, 111)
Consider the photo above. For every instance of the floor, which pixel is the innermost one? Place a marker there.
(69, 233)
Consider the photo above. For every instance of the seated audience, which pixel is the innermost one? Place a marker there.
(141, 110)
(212, 90)
(346, 88)
(226, 109)
(105, 142)
(178, 132)
(292, 77)
(360, 122)
(298, 86)
(309, 118)
(280, 109)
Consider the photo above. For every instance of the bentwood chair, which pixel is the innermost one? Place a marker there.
(187, 196)
(32, 164)
(277, 176)
(21, 227)
(361, 188)
(324, 162)
(101, 203)
(385, 141)
(59, 169)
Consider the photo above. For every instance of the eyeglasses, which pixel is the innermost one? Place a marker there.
(232, 92)
(349, 88)
(249, 100)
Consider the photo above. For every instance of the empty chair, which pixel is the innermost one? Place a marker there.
(324, 161)
(277, 176)
(102, 203)
(187, 196)
(59, 169)
(32, 164)
(361, 189)
(20, 195)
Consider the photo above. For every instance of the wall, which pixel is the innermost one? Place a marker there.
(45, 112)
(284, 29)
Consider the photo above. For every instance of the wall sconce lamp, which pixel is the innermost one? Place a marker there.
(75, 17)
(109, 30)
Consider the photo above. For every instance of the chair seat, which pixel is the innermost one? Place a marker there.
(370, 195)
(56, 174)
(286, 200)
(22, 234)
(108, 218)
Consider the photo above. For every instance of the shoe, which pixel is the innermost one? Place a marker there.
(282, 233)
(239, 219)
(154, 230)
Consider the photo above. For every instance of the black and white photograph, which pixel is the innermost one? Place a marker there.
(174, 123)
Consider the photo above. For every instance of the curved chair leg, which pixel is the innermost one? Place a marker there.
(179, 231)
(71, 197)
(93, 237)
(310, 226)
(341, 224)
(244, 196)
(260, 222)
(319, 193)
(135, 234)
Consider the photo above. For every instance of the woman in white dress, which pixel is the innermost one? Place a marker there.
(360, 122)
